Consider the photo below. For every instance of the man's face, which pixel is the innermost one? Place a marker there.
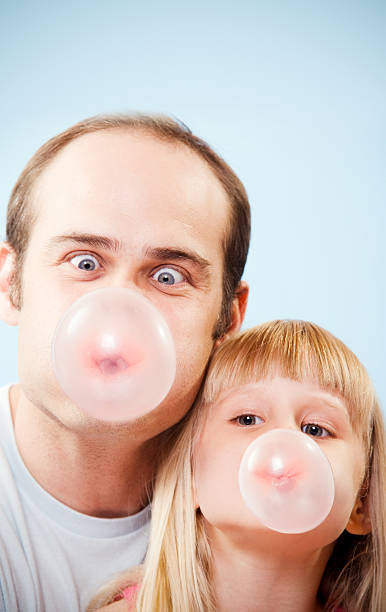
(122, 209)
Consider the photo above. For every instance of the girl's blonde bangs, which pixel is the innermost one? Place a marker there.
(295, 350)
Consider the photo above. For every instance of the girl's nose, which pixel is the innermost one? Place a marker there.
(287, 422)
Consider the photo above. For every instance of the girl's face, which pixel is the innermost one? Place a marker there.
(239, 416)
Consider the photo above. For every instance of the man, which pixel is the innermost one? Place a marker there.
(122, 201)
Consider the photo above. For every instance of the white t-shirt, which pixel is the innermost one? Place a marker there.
(52, 558)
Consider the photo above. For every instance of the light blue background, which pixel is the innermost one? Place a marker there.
(291, 93)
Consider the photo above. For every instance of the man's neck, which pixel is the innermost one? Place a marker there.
(103, 474)
(254, 581)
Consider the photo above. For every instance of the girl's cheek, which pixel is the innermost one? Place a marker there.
(347, 484)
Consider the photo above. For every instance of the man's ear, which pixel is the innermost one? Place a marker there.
(239, 305)
(359, 522)
(8, 312)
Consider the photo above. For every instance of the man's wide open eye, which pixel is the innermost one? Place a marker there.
(87, 263)
(168, 276)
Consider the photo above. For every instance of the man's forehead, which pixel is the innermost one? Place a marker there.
(118, 161)
(82, 192)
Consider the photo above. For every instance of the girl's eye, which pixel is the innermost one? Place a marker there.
(168, 276)
(315, 430)
(87, 263)
(248, 419)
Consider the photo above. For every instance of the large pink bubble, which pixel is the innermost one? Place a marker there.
(113, 354)
(286, 481)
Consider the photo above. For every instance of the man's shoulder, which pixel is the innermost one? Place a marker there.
(11, 512)
(14, 545)
(4, 394)
(4, 405)
(6, 436)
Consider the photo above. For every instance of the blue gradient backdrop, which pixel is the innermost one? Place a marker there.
(291, 93)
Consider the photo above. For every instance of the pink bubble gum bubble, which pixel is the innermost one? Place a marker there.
(286, 480)
(113, 354)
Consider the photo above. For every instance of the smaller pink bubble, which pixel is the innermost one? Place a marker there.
(286, 480)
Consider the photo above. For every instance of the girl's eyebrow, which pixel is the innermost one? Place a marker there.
(316, 401)
(329, 401)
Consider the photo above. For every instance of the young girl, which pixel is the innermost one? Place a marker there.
(207, 550)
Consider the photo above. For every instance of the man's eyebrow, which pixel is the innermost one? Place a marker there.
(114, 245)
(170, 253)
(90, 240)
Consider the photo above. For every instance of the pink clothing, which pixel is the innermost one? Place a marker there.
(130, 592)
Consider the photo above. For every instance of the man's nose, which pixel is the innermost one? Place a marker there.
(122, 279)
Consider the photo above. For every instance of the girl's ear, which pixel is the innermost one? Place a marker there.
(8, 312)
(359, 522)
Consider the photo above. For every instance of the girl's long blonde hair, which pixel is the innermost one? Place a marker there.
(177, 571)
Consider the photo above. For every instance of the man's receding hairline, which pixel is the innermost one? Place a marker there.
(151, 134)
(135, 131)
